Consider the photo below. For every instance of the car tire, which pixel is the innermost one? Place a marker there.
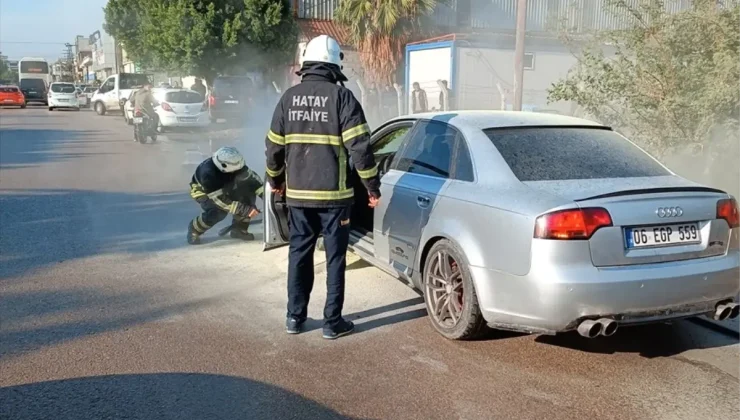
(23, 106)
(453, 306)
(51, 109)
(99, 108)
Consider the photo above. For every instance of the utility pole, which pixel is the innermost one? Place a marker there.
(521, 23)
(68, 64)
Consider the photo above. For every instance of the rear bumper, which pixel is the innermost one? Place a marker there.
(200, 120)
(59, 104)
(554, 298)
(216, 113)
(5, 102)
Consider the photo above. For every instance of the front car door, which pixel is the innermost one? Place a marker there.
(418, 175)
(108, 89)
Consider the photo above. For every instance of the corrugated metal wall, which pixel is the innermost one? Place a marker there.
(315, 9)
(542, 15)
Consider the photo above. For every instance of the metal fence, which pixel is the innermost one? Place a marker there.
(314, 9)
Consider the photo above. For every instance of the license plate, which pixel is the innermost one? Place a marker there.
(138, 120)
(231, 102)
(665, 235)
(8, 100)
(186, 119)
(63, 100)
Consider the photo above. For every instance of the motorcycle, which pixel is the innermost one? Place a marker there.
(144, 126)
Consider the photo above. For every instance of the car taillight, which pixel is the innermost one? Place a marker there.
(166, 107)
(727, 210)
(138, 114)
(571, 224)
(211, 100)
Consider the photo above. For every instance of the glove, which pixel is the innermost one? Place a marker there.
(243, 211)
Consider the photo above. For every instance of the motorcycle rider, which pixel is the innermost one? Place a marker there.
(223, 184)
(316, 125)
(145, 102)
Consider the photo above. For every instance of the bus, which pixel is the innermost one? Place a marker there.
(34, 78)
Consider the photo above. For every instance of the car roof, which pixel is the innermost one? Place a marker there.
(63, 83)
(482, 120)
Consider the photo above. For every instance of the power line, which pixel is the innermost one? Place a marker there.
(31, 42)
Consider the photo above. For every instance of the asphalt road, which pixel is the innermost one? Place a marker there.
(107, 313)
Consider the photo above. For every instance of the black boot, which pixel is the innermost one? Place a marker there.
(241, 234)
(193, 236)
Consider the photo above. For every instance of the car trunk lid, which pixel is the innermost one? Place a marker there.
(655, 219)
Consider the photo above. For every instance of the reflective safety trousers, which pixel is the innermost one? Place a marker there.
(317, 126)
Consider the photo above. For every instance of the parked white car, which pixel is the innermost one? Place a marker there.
(176, 108)
(181, 108)
(63, 95)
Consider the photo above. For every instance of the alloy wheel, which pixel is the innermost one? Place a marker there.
(444, 286)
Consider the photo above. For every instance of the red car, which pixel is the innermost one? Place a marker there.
(12, 96)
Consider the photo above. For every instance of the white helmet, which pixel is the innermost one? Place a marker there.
(323, 49)
(228, 159)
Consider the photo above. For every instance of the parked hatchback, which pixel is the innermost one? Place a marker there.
(63, 95)
(12, 96)
(230, 97)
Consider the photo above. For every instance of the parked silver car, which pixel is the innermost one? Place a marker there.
(539, 223)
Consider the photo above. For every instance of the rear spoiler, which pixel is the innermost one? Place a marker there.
(653, 191)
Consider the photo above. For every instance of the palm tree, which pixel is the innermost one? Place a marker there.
(380, 29)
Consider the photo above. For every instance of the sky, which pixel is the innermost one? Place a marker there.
(40, 28)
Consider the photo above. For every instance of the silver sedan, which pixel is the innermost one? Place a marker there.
(539, 223)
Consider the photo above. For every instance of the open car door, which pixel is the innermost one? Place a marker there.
(275, 219)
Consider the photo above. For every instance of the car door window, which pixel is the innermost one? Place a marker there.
(429, 150)
(463, 164)
(390, 142)
(107, 86)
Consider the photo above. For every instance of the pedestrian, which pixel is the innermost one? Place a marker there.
(390, 102)
(223, 185)
(316, 125)
(418, 99)
(450, 102)
(199, 87)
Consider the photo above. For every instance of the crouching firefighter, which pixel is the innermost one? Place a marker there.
(223, 185)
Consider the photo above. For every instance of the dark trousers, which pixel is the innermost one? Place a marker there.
(305, 226)
(212, 214)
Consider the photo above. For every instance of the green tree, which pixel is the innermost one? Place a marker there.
(667, 80)
(8, 74)
(381, 29)
(203, 38)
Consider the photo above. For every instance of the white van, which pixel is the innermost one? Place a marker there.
(109, 94)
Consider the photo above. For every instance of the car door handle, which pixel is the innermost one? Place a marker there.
(422, 201)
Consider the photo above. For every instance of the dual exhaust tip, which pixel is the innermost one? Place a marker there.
(590, 328)
(593, 328)
(729, 310)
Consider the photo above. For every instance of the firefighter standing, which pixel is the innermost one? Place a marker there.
(221, 185)
(316, 125)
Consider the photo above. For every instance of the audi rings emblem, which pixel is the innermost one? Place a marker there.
(669, 211)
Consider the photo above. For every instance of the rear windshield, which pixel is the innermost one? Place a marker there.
(133, 80)
(90, 89)
(561, 153)
(232, 85)
(59, 88)
(8, 89)
(183, 97)
(33, 84)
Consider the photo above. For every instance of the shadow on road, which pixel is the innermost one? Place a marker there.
(181, 396)
(21, 148)
(43, 227)
(33, 320)
(650, 341)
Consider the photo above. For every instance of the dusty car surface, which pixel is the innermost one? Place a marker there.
(540, 223)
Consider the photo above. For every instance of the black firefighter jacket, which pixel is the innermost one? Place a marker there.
(225, 189)
(316, 127)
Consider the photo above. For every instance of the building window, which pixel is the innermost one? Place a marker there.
(528, 61)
